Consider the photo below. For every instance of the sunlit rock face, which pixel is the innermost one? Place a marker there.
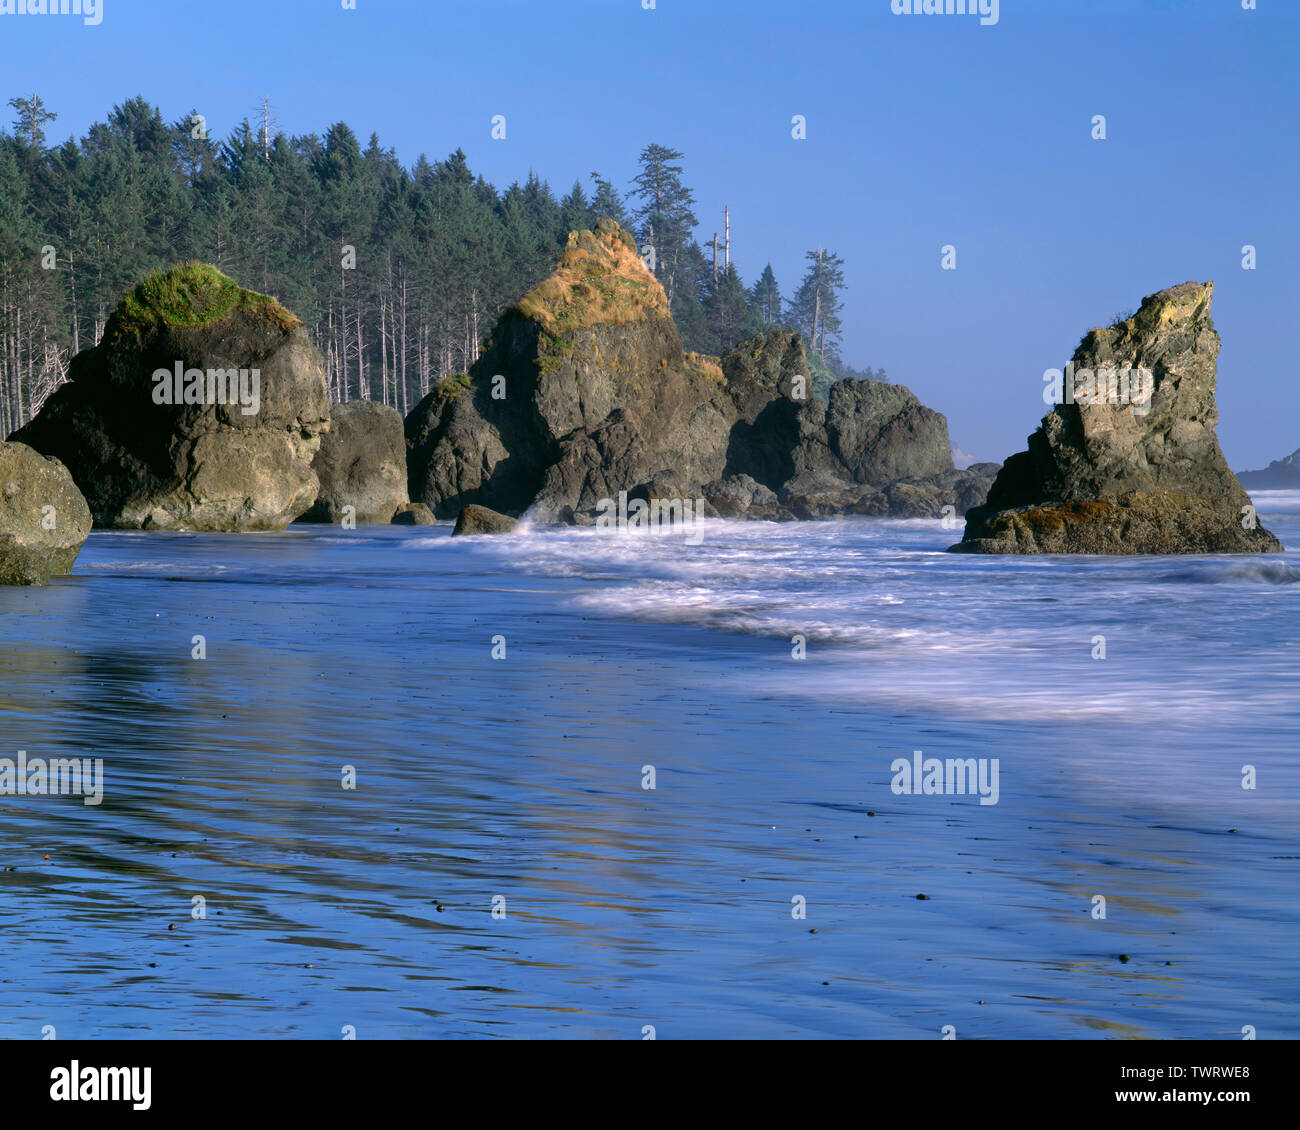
(584, 391)
(1133, 465)
(43, 517)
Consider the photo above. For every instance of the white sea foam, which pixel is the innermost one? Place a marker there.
(889, 617)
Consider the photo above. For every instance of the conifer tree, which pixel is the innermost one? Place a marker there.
(765, 298)
(440, 253)
(815, 308)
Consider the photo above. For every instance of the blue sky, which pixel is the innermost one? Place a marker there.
(922, 131)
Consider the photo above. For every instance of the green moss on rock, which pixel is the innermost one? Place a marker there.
(455, 385)
(191, 295)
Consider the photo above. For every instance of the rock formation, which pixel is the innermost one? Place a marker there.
(1110, 474)
(1281, 474)
(361, 463)
(43, 518)
(414, 514)
(201, 408)
(480, 520)
(584, 391)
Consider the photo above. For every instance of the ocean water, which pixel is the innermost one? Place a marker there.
(499, 870)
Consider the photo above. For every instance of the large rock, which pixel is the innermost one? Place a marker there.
(821, 494)
(43, 518)
(361, 463)
(738, 495)
(584, 391)
(769, 386)
(874, 433)
(233, 453)
(1281, 474)
(480, 520)
(414, 514)
(1102, 477)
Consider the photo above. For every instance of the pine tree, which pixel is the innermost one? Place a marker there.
(32, 119)
(193, 152)
(815, 308)
(575, 210)
(607, 203)
(765, 298)
(666, 218)
(728, 313)
(440, 252)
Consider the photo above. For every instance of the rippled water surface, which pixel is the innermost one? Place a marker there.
(517, 782)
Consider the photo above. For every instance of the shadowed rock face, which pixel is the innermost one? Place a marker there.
(594, 395)
(196, 466)
(768, 426)
(1106, 478)
(874, 433)
(43, 518)
(361, 463)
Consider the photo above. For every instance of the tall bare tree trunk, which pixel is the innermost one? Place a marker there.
(403, 363)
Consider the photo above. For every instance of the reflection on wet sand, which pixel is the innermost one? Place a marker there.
(518, 785)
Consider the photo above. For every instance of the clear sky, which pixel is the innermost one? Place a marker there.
(921, 131)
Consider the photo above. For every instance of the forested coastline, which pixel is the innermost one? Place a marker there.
(399, 273)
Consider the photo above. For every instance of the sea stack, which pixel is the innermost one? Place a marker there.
(584, 391)
(201, 408)
(43, 518)
(1133, 465)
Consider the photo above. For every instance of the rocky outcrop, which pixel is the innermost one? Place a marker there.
(201, 408)
(480, 520)
(1135, 468)
(1281, 474)
(44, 520)
(414, 514)
(584, 391)
(824, 495)
(361, 463)
(739, 495)
(872, 432)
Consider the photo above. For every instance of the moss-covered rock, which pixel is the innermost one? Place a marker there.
(191, 294)
(225, 445)
(601, 281)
